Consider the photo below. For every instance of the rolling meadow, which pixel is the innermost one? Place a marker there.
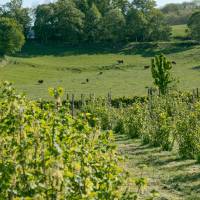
(69, 67)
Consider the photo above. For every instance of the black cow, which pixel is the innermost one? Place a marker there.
(120, 61)
(146, 67)
(40, 81)
(173, 62)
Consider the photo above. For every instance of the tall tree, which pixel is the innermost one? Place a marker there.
(123, 5)
(45, 22)
(69, 21)
(160, 69)
(158, 29)
(144, 5)
(92, 24)
(194, 25)
(136, 25)
(14, 9)
(11, 36)
(113, 26)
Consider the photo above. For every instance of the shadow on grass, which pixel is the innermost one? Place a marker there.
(187, 183)
(185, 178)
(152, 49)
(145, 49)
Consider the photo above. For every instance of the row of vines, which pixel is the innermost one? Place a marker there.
(45, 153)
(166, 121)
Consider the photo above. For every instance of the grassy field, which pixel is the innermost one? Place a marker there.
(179, 31)
(70, 67)
(172, 177)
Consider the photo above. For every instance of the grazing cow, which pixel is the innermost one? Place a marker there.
(87, 80)
(120, 61)
(173, 62)
(40, 81)
(146, 67)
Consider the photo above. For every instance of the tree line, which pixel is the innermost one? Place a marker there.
(179, 13)
(87, 21)
(97, 21)
(91, 20)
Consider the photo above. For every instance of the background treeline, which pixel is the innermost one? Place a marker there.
(179, 13)
(97, 21)
(91, 20)
(94, 21)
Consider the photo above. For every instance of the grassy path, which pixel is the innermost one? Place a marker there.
(172, 177)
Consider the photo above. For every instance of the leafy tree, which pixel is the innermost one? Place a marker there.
(113, 26)
(136, 24)
(179, 13)
(194, 25)
(11, 36)
(160, 69)
(105, 20)
(92, 23)
(123, 5)
(82, 5)
(158, 29)
(144, 5)
(146, 24)
(59, 21)
(45, 22)
(104, 6)
(69, 21)
(14, 10)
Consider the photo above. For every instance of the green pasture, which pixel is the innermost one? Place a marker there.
(71, 66)
(180, 31)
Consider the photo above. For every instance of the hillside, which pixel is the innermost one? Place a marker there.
(70, 67)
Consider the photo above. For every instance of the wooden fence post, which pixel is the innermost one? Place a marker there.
(82, 100)
(67, 97)
(72, 105)
(193, 95)
(110, 98)
(90, 97)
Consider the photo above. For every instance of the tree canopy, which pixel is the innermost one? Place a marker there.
(75, 21)
(97, 21)
(179, 13)
(13, 9)
(11, 36)
(194, 25)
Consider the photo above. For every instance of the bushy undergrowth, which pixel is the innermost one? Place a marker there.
(46, 154)
(163, 121)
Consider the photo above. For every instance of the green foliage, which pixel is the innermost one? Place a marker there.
(11, 36)
(99, 21)
(14, 9)
(59, 21)
(92, 26)
(194, 25)
(45, 154)
(166, 120)
(188, 130)
(99, 109)
(159, 123)
(160, 69)
(158, 29)
(112, 26)
(179, 13)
